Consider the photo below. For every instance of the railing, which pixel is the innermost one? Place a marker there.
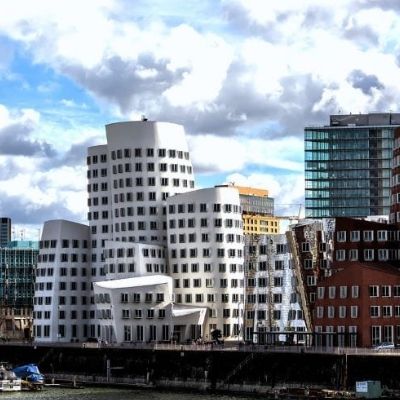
(227, 346)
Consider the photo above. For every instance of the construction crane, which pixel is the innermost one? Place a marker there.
(291, 217)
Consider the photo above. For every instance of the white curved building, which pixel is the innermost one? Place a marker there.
(158, 261)
(148, 162)
(205, 247)
(64, 278)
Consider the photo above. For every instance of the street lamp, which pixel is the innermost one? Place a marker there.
(240, 327)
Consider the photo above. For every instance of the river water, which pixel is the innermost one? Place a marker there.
(111, 394)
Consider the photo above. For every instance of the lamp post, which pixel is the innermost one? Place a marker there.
(240, 327)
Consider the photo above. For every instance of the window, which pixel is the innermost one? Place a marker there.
(382, 236)
(332, 292)
(342, 311)
(343, 292)
(385, 291)
(305, 247)
(311, 280)
(354, 311)
(331, 312)
(355, 236)
(341, 236)
(368, 254)
(340, 255)
(353, 254)
(355, 292)
(386, 311)
(368, 236)
(383, 254)
(278, 281)
(307, 263)
(320, 292)
(374, 311)
(373, 291)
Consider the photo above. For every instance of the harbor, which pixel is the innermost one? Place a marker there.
(246, 371)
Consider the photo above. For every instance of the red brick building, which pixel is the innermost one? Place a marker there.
(339, 258)
(358, 306)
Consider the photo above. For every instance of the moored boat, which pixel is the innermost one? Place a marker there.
(30, 376)
(9, 382)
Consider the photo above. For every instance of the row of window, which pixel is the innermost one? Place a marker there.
(65, 243)
(340, 311)
(207, 267)
(368, 236)
(138, 313)
(209, 297)
(127, 182)
(67, 271)
(194, 252)
(277, 265)
(62, 300)
(384, 311)
(205, 238)
(208, 283)
(138, 167)
(268, 249)
(263, 314)
(63, 257)
(61, 286)
(205, 223)
(204, 207)
(341, 291)
(368, 254)
(62, 314)
(148, 152)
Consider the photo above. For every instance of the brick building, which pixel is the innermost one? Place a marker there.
(358, 306)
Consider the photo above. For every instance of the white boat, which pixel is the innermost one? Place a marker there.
(9, 381)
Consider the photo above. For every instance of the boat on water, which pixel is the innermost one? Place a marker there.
(9, 382)
(30, 376)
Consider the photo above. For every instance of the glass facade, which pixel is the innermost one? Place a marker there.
(18, 264)
(348, 170)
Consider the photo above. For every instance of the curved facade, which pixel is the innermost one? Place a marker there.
(205, 246)
(148, 162)
(62, 283)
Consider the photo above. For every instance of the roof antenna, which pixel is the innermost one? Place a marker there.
(144, 118)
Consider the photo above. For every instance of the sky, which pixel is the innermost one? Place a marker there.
(244, 77)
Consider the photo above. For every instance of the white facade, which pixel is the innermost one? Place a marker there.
(158, 261)
(205, 248)
(60, 307)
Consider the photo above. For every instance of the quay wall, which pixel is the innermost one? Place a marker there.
(214, 369)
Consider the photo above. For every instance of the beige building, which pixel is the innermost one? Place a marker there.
(258, 211)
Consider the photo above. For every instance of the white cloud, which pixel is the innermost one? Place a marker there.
(269, 67)
(218, 154)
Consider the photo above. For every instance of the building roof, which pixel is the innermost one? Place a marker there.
(149, 280)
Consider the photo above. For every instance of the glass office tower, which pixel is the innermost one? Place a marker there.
(348, 166)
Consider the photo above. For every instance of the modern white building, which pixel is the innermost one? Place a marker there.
(158, 261)
(205, 248)
(62, 283)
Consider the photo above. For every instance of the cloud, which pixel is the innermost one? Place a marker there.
(279, 154)
(365, 82)
(16, 131)
(241, 75)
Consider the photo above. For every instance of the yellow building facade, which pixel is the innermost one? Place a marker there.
(258, 211)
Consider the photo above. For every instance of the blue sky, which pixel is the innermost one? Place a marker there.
(243, 76)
